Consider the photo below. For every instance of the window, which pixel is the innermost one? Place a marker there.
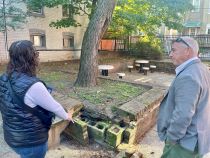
(38, 11)
(192, 31)
(196, 5)
(208, 29)
(38, 40)
(67, 11)
(68, 40)
(38, 37)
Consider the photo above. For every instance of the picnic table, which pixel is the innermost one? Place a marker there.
(105, 69)
(142, 64)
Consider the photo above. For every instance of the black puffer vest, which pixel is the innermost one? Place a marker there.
(21, 128)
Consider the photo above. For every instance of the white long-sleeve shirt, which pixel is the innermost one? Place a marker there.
(38, 94)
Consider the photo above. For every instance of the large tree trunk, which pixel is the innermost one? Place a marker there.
(98, 24)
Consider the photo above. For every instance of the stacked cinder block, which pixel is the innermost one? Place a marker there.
(130, 133)
(114, 135)
(103, 133)
(78, 130)
(97, 130)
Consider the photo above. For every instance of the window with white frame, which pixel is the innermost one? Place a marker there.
(68, 40)
(196, 5)
(38, 37)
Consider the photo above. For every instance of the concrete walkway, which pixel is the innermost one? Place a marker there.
(152, 147)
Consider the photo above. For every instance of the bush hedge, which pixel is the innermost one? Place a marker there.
(147, 50)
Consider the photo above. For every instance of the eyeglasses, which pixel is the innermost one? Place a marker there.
(181, 40)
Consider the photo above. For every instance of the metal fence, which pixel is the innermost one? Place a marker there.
(124, 44)
(203, 41)
(115, 44)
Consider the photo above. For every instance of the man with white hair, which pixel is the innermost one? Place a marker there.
(184, 115)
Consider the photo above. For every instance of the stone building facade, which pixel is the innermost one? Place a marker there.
(53, 44)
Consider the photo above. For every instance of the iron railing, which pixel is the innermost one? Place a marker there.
(124, 44)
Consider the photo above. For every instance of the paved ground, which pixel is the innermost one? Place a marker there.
(150, 146)
(158, 79)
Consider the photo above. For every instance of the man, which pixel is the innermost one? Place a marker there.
(184, 116)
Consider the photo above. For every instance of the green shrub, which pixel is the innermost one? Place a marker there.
(147, 50)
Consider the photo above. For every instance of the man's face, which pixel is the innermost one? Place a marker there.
(179, 53)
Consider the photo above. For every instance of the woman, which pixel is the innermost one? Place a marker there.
(25, 103)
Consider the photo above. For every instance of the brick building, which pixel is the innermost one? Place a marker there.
(53, 44)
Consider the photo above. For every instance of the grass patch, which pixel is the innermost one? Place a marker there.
(109, 92)
(106, 93)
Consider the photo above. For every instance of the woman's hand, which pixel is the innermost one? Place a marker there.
(70, 117)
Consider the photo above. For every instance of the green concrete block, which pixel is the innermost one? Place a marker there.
(114, 135)
(129, 135)
(78, 131)
(96, 131)
(84, 119)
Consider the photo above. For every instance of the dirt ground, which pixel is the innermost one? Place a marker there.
(70, 148)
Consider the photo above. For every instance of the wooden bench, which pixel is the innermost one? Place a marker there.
(145, 69)
(152, 68)
(121, 75)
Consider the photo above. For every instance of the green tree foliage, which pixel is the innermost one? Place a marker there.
(130, 16)
(11, 14)
(145, 16)
(74, 7)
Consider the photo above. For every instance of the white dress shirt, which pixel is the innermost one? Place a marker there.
(180, 67)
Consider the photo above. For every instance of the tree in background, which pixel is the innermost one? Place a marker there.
(11, 16)
(99, 22)
(100, 14)
(146, 16)
(143, 16)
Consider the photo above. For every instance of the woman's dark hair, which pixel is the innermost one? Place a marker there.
(23, 58)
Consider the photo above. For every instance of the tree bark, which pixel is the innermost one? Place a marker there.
(98, 24)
